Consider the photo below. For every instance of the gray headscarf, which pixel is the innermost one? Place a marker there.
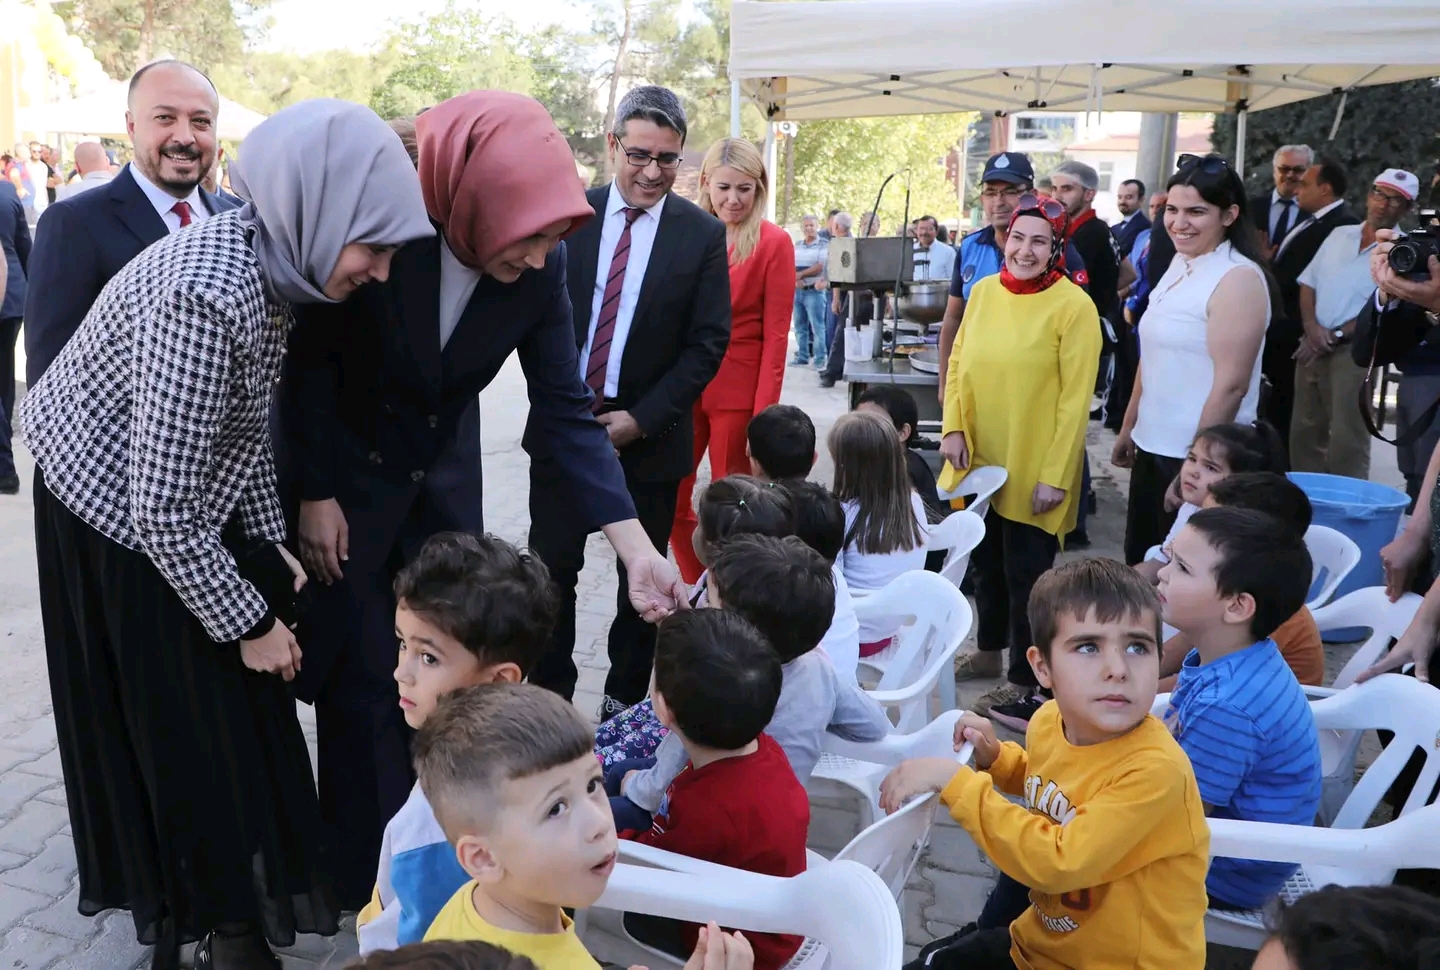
(318, 176)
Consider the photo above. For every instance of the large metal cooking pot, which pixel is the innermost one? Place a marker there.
(924, 302)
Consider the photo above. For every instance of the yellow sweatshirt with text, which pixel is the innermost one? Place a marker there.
(1112, 841)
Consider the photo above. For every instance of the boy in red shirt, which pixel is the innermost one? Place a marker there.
(737, 801)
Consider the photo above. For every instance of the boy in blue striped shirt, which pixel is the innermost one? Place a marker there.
(1234, 577)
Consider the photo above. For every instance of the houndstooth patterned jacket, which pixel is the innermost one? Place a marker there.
(152, 424)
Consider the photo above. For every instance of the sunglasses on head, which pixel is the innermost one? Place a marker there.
(1050, 208)
(1208, 164)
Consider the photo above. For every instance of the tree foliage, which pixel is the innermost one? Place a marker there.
(126, 34)
(1389, 125)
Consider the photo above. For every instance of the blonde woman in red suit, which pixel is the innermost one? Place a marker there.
(733, 187)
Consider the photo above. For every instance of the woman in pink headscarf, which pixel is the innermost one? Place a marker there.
(380, 443)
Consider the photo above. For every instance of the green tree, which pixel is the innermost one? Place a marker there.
(567, 89)
(1389, 125)
(454, 51)
(269, 80)
(840, 164)
(126, 34)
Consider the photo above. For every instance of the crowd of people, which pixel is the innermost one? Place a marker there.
(255, 427)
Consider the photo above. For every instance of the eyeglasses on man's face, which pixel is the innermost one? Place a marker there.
(1008, 194)
(1393, 201)
(668, 161)
(1295, 170)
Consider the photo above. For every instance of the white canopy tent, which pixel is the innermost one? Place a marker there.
(103, 113)
(803, 60)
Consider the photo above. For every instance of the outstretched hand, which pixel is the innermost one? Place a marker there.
(656, 589)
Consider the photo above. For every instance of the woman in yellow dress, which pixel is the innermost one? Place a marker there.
(1018, 396)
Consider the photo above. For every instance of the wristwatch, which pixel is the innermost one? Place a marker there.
(1340, 335)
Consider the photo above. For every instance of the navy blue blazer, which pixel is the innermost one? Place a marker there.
(370, 404)
(15, 241)
(1125, 235)
(80, 243)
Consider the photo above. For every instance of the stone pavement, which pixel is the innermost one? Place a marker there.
(39, 926)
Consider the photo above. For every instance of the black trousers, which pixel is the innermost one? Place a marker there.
(559, 540)
(1278, 365)
(1127, 359)
(1146, 521)
(1004, 569)
(9, 331)
(970, 949)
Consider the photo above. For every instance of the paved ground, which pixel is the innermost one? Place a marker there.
(39, 926)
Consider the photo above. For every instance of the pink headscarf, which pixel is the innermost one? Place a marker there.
(494, 170)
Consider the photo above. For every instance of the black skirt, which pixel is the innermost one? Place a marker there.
(187, 777)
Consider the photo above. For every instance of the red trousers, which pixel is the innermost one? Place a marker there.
(723, 433)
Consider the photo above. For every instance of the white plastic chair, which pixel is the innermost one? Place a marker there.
(1347, 853)
(935, 619)
(844, 910)
(1368, 609)
(862, 766)
(891, 847)
(979, 485)
(1333, 556)
(958, 533)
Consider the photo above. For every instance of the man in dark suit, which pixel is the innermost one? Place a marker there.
(1130, 200)
(1276, 212)
(650, 290)
(14, 257)
(81, 242)
(1321, 197)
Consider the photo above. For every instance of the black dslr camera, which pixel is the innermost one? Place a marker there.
(1410, 256)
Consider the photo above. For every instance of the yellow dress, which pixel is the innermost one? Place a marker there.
(1022, 374)
(1112, 841)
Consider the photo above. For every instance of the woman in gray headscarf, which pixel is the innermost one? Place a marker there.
(157, 532)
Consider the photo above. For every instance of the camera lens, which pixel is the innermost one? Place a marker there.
(1404, 258)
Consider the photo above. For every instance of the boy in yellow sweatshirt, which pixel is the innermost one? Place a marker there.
(1112, 837)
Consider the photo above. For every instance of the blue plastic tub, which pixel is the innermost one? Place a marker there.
(1366, 512)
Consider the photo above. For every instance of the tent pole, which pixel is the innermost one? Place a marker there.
(734, 107)
(1240, 117)
(770, 168)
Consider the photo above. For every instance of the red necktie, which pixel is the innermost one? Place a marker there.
(599, 360)
(182, 209)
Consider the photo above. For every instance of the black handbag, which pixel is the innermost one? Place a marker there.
(261, 565)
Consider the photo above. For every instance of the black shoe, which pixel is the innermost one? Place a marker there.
(1015, 715)
(826, 380)
(609, 707)
(247, 952)
(1079, 539)
(9, 484)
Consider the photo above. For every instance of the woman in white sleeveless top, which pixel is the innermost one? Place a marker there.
(1200, 341)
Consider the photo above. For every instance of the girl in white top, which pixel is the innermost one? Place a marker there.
(885, 529)
(1200, 340)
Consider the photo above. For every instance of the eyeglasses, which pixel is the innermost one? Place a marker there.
(1388, 199)
(1009, 195)
(1208, 164)
(1290, 169)
(668, 161)
(1049, 208)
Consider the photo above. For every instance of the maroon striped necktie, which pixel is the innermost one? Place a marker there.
(599, 360)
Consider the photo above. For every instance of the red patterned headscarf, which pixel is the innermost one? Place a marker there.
(1054, 213)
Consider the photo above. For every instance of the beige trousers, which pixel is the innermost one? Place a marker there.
(1327, 433)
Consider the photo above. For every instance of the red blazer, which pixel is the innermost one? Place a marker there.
(762, 301)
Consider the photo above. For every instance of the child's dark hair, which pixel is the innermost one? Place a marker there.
(1265, 492)
(1248, 447)
(493, 598)
(1261, 556)
(743, 504)
(900, 406)
(719, 677)
(870, 470)
(782, 441)
(480, 737)
(444, 955)
(782, 586)
(819, 519)
(1113, 591)
(1360, 928)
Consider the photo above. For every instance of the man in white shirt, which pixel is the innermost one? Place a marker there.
(934, 260)
(1327, 433)
(94, 168)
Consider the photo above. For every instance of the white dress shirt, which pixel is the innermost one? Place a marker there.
(941, 264)
(1306, 223)
(87, 181)
(457, 284)
(1340, 276)
(164, 202)
(642, 241)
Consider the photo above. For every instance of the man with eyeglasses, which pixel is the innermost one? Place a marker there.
(1278, 211)
(649, 285)
(1006, 177)
(1327, 431)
